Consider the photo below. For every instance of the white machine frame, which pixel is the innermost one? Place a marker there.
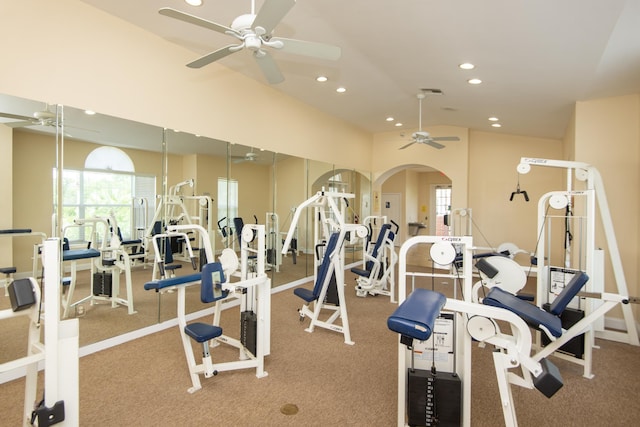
(592, 194)
(255, 290)
(328, 222)
(173, 207)
(478, 321)
(387, 259)
(463, 340)
(58, 354)
(109, 247)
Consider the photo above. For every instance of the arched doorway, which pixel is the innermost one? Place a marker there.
(415, 196)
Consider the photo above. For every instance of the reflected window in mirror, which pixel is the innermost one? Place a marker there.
(107, 187)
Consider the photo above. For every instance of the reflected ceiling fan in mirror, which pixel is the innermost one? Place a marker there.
(41, 118)
(250, 156)
(423, 137)
(255, 33)
(44, 117)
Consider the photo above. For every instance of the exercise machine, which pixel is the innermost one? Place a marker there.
(177, 209)
(253, 291)
(58, 353)
(478, 317)
(108, 259)
(377, 277)
(37, 247)
(330, 231)
(567, 219)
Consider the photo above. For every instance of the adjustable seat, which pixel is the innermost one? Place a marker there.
(549, 322)
(203, 333)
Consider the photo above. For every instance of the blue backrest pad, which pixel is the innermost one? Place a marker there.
(533, 315)
(568, 293)
(326, 263)
(212, 276)
(416, 316)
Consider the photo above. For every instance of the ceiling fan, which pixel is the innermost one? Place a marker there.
(255, 33)
(45, 119)
(423, 137)
(248, 157)
(39, 118)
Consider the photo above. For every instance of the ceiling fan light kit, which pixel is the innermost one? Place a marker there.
(255, 33)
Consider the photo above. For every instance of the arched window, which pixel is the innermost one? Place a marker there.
(109, 158)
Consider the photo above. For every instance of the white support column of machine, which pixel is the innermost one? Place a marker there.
(463, 340)
(61, 378)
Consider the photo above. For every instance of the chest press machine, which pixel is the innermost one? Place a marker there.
(330, 229)
(253, 291)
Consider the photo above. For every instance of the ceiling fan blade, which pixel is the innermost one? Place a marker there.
(15, 116)
(445, 138)
(434, 144)
(213, 56)
(405, 146)
(269, 67)
(21, 124)
(191, 19)
(316, 50)
(270, 15)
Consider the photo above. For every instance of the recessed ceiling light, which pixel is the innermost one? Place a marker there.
(89, 112)
(321, 79)
(341, 90)
(389, 119)
(496, 125)
(474, 81)
(398, 124)
(493, 119)
(193, 2)
(466, 66)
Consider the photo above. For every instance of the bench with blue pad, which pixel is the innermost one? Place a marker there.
(210, 291)
(416, 316)
(69, 254)
(374, 253)
(533, 315)
(8, 270)
(323, 271)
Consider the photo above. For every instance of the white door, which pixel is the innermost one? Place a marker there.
(392, 208)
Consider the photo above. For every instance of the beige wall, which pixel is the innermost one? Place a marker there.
(117, 69)
(492, 178)
(607, 136)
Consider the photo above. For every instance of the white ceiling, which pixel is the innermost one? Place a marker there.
(536, 58)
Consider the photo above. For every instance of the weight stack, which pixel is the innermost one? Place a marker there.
(102, 284)
(568, 318)
(434, 399)
(248, 330)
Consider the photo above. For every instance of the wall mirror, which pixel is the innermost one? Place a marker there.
(128, 172)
